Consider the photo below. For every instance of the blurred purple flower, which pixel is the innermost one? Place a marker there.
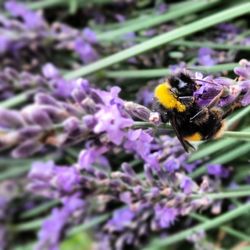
(161, 8)
(85, 50)
(92, 155)
(145, 96)
(217, 170)
(206, 57)
(4, 43)
(227, 32)
(89, 35)
(121, 218)
(139, 142)
(165, 216)
(50, 71)
(53, 227)
(47, 175)
(171, 164)
(187, 185)
(32, 20)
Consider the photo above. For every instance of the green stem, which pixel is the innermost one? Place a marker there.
(16, 100)
(241, 187)
(193, 44)
(28, 226)
(45, 4)
(172, 14)
(227, 229)
(36, 224)
(237, 134)
(212, 223)
(223, 195)
(162, 39)
(53, 3)
(238, 116)
(151, 73)
(87, 225)
(39, 209)
(14, 172)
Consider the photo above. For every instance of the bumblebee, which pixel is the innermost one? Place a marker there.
(175, 103)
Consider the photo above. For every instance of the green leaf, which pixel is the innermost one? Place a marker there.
(162, 39)
(14, 172)
(77, 241)
(39, 209)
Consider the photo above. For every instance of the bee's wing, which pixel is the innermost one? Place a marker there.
(186, 145)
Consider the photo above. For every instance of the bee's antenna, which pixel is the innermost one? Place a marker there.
(200, 80)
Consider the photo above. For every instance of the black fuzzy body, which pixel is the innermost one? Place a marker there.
(204, 122)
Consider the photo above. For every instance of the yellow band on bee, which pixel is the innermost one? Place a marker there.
(167, 98)
(194, 137)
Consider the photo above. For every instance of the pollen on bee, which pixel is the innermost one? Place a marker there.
(167, 98)
(194, 137)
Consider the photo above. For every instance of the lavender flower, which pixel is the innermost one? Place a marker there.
(217, 170)
(53, 227)
(152, 201)
(101, 123)
(232, 91)
(31, 34)
(206, 57)
(31, 19)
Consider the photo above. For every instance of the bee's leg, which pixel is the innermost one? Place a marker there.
(201, 115)
(157, 107)
(216, 99)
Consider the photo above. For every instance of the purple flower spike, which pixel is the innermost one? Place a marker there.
(110, 120)
(50, 234)
(205, 57)
(217, 170)
(26, 149)
(89, 35)
(42, 170)
(165, 216)
(243, 71)
(139, 141)
(121, 218)
(32, 20)
(172, 164)
(187, 185)
(85, 50)
(50, 71)
(11, 119)
(91, 155)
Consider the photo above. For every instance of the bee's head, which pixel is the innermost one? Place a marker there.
(182, 85)
(167, 93)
